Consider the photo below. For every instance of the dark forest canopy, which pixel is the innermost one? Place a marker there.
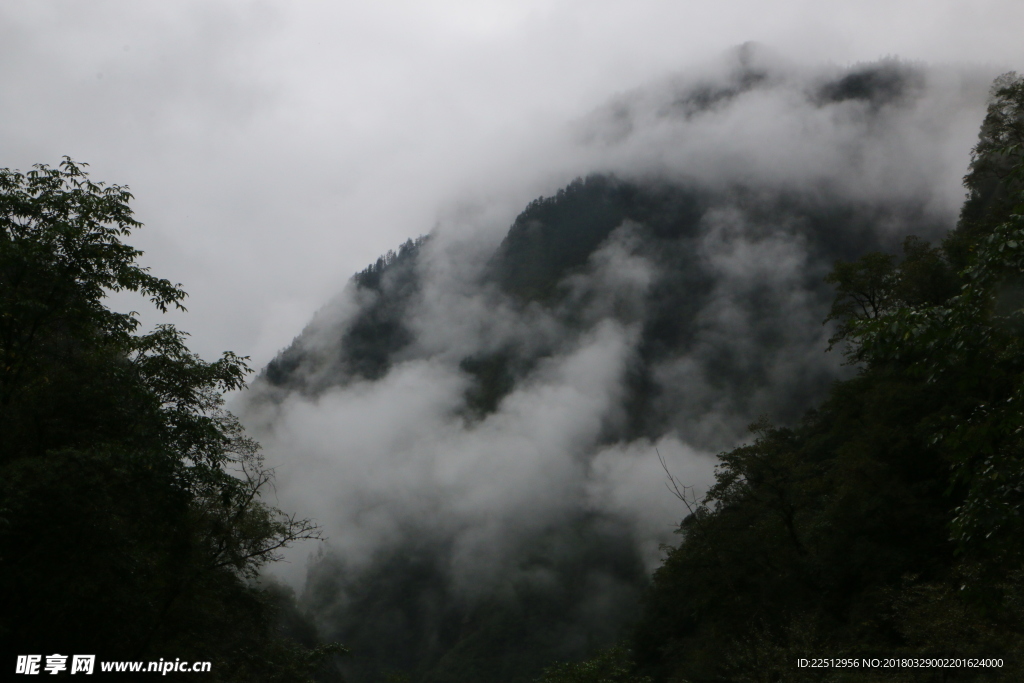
(131, 523)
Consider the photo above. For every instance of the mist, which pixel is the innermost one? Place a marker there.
(603, 231)
(266, 142)
(479, 419)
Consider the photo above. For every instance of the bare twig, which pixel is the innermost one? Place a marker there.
(687, 494)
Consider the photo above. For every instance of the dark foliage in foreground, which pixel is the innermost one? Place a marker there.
(131, 523)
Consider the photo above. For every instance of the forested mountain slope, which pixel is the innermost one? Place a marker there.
(482, 435)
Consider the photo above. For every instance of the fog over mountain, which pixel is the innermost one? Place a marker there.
(477, 418)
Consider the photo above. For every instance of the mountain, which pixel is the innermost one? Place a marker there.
(482, 429)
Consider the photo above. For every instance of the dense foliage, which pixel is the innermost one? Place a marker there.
(131, 522)
(887, 523)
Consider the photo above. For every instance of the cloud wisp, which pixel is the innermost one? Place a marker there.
(474, 421)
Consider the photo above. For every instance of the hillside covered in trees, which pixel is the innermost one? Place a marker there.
(501, 523)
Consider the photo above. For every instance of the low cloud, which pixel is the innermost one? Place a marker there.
(504, 437)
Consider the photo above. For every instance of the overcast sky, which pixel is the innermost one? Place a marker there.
(274, 148)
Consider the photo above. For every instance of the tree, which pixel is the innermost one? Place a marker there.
(132, 521)
(611, 665)
(877, 284)
(973, 343)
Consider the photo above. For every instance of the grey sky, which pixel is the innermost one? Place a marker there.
(276, 147)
